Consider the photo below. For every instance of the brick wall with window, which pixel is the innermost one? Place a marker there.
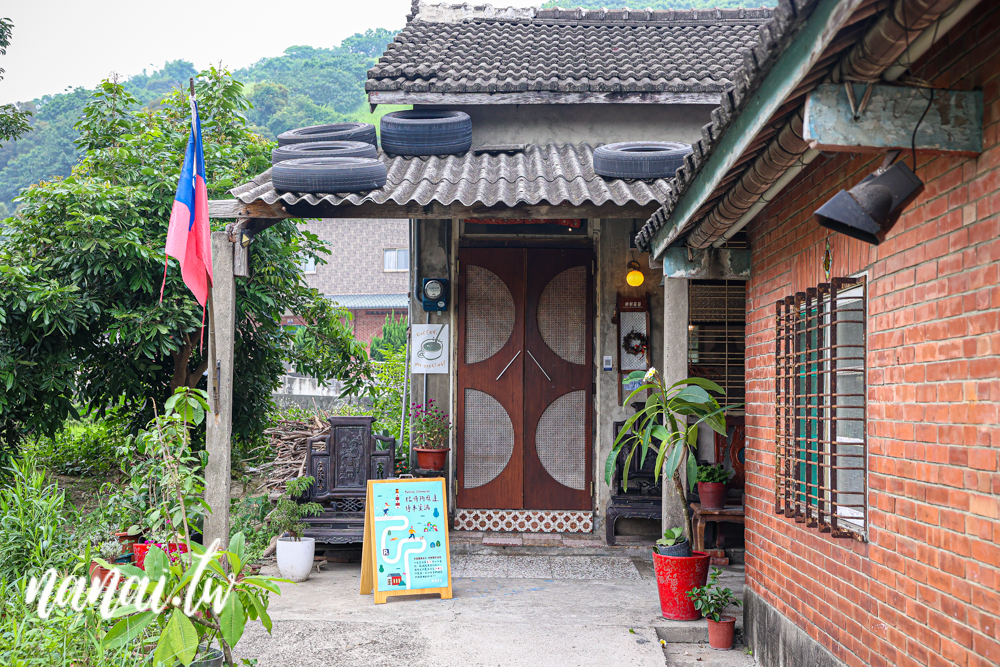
(918, 581)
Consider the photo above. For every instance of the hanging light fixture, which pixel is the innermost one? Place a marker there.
(870, 209)
(634, 277)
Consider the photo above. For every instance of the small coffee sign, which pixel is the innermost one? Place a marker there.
(429, 348)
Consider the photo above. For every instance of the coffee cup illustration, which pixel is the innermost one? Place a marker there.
(431, 349)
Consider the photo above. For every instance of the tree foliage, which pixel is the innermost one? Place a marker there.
(81, 322)
(13, 119)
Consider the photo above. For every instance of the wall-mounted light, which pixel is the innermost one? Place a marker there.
(634, 277)
(870, 209)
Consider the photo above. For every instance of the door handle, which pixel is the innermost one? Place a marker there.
(539, 366)
(508, 364)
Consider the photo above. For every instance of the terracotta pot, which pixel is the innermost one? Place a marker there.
(720, 635)
(431, 459)
(712, 494)
(139, 552)
(127, 541)
(99, 573)
(675, 576)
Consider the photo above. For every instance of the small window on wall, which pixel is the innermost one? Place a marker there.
(821, 444)
(396, 259)
(717, 335)
(307, 264)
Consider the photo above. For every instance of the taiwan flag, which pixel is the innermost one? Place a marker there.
(189, 238)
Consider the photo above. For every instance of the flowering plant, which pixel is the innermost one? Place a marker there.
(430, 426)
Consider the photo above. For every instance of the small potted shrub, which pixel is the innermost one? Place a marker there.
(673, 543)
(295, 552)
(678, 570)
(107, 550)
(712, 486)
(429, 436)
(712, 600)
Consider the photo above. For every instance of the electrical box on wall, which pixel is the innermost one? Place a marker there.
(435, 294)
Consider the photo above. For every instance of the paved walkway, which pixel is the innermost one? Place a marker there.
(507, 610)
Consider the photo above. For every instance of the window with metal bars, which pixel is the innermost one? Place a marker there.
(717, 334)
(820, 435)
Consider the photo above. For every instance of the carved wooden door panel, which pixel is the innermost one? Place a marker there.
(558, 380)
(489, 417)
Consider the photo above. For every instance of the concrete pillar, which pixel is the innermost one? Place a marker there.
(675, 367)
(219, 424)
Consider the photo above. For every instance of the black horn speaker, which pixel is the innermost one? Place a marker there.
(870, 209)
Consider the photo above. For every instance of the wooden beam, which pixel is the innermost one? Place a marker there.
(541, 97)
(952, 125)
(792, 67)
(222, 209)
(437, 211)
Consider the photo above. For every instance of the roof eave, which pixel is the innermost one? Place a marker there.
(804, 50)
(376, 97)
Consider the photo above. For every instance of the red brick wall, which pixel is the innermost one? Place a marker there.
(924, 589)
(369, 323)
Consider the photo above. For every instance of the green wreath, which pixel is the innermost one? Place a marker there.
(635, 343)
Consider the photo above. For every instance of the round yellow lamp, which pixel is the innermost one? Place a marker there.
(634, 277)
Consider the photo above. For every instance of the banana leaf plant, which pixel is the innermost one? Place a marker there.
(662, 426)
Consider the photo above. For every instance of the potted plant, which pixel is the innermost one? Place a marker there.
(107, 551)
(295, 552)
(129, 537)
(673, 543)
(712, 600)
(429, 435)
(712, 486)
(667, 423)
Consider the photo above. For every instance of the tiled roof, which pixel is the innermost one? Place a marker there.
(774, 36)
(354, 301)
(463, 49)
(551, 173)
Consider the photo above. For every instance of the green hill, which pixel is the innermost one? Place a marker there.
(304, 86)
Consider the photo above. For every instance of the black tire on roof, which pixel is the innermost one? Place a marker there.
(335, 132)
(640, 159)
(323, 149)
(426, 132)
(328, 174)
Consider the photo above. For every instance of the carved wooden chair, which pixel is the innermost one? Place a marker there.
(342, 462)
(642, 499)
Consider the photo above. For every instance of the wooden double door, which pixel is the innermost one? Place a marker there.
(524, 417)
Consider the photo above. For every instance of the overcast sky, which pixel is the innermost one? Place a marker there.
(68, 43)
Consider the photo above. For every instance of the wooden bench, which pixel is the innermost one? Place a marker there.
(701, 516)
(341, 463)
(642, 499)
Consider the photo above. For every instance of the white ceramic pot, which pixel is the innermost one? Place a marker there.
(295, 557)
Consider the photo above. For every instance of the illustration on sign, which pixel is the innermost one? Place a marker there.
(415, 511)
(430, 345)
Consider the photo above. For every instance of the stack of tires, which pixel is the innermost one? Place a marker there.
(643, 160)
(341, 157)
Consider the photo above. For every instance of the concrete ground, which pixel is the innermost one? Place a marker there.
(574, 610)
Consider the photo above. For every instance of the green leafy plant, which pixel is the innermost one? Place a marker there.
(430, 426)
(663, 425)
(712, 599)
(287, 515)
(713, 474)
(672, 536)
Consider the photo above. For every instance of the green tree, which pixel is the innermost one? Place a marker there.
(393, 336)
(13, 120)
(371, 43)
(81, 322)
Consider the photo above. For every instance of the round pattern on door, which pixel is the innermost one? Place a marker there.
(562, 314)
(561, 439)
(489, 439)
(489, 314)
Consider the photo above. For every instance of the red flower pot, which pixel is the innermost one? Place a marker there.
(675, 576)
(431, 459)
(100, 573)
(139, 552)
(712, 494)
(720, 635)
(127, 541)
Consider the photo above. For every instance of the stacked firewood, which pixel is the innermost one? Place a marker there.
(289, 441)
